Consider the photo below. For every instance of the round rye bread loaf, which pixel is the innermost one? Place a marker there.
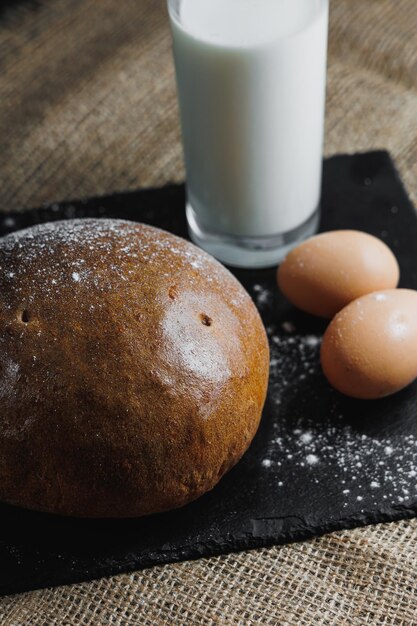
(133, 369)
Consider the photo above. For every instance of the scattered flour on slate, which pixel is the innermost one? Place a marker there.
(262, 295)
(9, 222)
(375, 468)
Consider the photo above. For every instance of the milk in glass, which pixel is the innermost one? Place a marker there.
(251, 83)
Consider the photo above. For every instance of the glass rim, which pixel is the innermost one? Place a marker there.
(174, 8)
(175, 13)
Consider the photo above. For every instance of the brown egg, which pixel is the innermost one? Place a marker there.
(325, 273)
(369, 350)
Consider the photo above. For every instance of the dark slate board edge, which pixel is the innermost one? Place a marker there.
(249, 541)
(119, 196)
(116, 196)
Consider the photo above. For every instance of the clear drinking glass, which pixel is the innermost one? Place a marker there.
(251, 78)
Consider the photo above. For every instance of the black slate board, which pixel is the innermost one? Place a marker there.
(320, 461)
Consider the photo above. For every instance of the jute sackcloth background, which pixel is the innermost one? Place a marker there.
(88, 106)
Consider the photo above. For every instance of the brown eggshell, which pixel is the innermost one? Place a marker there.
(370, 348)
(326, 272)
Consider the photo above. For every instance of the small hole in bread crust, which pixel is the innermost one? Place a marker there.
(173, 292)
(25, 317)
(205, 319)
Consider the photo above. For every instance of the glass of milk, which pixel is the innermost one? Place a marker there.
(251, 78)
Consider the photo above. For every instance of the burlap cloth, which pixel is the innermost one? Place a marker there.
(87, 106)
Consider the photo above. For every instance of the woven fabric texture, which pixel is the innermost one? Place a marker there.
(87, 107)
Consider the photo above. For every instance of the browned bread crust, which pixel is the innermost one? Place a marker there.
(133, 369)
